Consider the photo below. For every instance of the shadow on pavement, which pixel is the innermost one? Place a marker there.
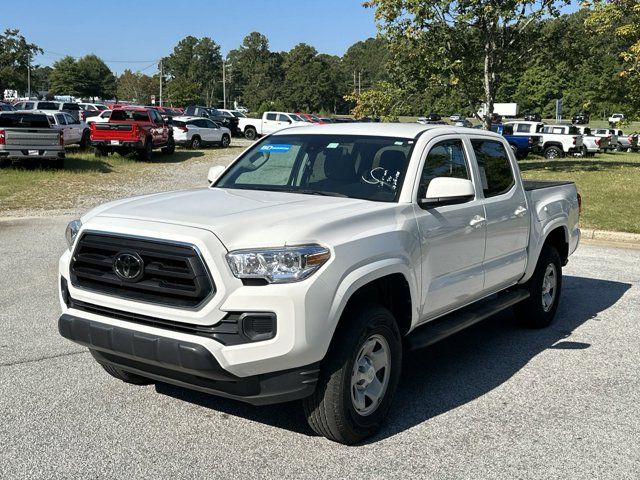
(454, 371)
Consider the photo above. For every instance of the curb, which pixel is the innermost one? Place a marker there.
(608, 236)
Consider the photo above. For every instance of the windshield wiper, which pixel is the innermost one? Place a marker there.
(319, 192)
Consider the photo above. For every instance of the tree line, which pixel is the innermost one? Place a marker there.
(442, 56)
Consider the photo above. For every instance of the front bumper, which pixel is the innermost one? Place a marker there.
(184, 363)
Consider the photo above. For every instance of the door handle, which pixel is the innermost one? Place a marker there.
(520, 211)
(478, 221)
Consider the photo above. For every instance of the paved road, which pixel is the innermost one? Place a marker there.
(495, 401)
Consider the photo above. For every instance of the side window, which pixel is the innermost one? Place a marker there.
(271, 116)
(523, 128)
(210, 124)
(494, 166)
(70, 120)
(445, 159)
(283, 118)
(28, 106)
(60, 118)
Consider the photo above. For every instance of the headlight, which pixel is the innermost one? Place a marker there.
(278, 265)
(72, 232)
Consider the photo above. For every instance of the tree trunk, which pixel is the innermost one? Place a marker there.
(489, 81)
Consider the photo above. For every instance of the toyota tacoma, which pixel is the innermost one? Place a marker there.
(313, 263)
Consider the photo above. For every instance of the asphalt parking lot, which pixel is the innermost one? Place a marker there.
(496, 401)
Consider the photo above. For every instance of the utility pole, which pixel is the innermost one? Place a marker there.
(359, 90)
(224, 84)
(160, 82)
(28, 75)
(354, 80)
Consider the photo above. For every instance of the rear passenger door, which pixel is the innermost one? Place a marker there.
(505, 207)
(270, 123)
(214, 133)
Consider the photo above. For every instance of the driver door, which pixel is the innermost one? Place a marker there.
(452, 237)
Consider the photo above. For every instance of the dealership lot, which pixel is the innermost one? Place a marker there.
(495, 401)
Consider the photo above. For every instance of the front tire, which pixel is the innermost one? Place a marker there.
(85, 141)
(358, 378)
(545, 286)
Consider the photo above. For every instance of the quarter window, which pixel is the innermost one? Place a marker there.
(494, 166)
(523, 128)
(271, 116)
(445, 159)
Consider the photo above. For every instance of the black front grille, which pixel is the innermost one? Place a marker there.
(174, 274)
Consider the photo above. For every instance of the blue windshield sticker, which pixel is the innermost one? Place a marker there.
(276, 148)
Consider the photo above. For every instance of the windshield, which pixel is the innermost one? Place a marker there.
(24, 120)
(238, 114)
(365, 167)
(297, 118)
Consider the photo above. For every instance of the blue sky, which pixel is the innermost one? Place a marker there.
(134, 34)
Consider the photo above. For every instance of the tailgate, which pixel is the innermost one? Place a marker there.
(114, 131)
(32, 137)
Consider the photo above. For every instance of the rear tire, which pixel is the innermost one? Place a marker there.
(170, 148)
(250, 133)
(100, 152)
(57, 164)
(126, 377)
(226, 141)
(545, 287)
(358, 377)
(145, 153)
(85, 141)
(551, 153)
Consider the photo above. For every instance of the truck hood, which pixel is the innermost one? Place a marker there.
(244, 218)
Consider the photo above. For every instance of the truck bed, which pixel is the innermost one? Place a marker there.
(530, 185)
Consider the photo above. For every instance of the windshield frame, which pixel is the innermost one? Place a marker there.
(307, 191)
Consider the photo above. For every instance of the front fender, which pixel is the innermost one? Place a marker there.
(365, 274)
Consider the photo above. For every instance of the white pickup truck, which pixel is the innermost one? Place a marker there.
(313, 263)
(270, 122)
(556, 141)
(74, 131)
(592, 143)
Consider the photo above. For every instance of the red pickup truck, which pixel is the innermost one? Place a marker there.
(132, 129)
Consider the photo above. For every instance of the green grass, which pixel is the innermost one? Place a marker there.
(609, 185)
(84, 175)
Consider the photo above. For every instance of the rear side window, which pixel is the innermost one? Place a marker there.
(47, 106)
(523, 128)
(445, 159)
(71, 106)
(494, 166)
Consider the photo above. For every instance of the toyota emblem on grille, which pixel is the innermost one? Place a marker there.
(128, 266)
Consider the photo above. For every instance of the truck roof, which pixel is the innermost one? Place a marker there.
(400, 130)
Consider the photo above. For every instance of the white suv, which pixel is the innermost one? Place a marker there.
(196, 132)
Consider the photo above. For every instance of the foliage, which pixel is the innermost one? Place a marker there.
(88, 77)
(15, 55)
(196, 64)
(467, 44)
(138, 87)
(181, 92)
(384, 101)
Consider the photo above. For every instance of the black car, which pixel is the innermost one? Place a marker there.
(580, 118)
(213, 114)
(532, 117)
(433, 117)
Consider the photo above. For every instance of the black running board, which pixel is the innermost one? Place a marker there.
(440, 328)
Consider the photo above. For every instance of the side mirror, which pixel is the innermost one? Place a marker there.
(447, 191)
(214, 173)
